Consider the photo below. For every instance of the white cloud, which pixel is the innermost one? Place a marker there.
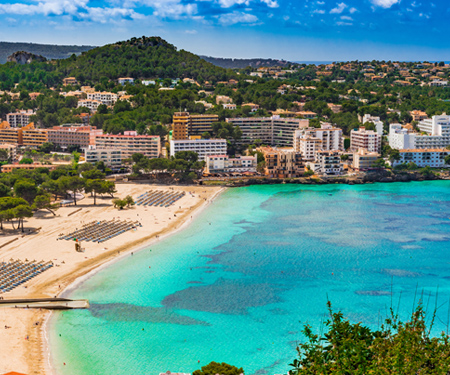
(346, 18)
(339, 8)
(271, 3)
(321, 2)
(353, 10)
(237, 17)
(385, 3)
(191, 32)
(319, 11)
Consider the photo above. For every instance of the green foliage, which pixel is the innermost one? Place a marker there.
(26, 161)
(351, 348)
(219, 368)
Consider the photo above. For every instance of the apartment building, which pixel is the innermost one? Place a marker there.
(283, 130)
(92, 105)
(73, 135)
(203, 147)
(130, 143)
(34, 138)
(8, 168)
(282, 163)
(274, 131)
(111, 157)
(423, 157)
(11, 150)
(11, 135)
(401, 138)
(365, 139)
(438, 130)
(309, 140)
(218, 164)
(106, 98)
(20, 118)
(185, 125)
(374, 120)
(327, 163)
(364, 160)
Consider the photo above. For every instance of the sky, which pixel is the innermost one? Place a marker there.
(294, 30)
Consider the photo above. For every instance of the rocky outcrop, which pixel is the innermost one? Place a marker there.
(22, 58)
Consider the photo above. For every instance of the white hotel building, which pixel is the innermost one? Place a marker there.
(310, 140)
(424, 157)
(437, 137)
(203, 147)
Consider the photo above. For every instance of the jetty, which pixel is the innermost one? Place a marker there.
(45, 303)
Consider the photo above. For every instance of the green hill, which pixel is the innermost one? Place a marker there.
(138, 58)
(145, 57)
(50, 51)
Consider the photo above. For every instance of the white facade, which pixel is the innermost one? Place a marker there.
(400, 138)
(223, 164)
(112, 158)
(124, 80)
(374, 120)
(310, 140)
(327, 163)
(438, 129)
(365, 139)
(203, 147)
(92, 105)
(19, 119)
(432, 157)
(130, 143)
(106, 98)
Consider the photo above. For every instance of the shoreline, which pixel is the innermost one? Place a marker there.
(92, 271)
(32, 355)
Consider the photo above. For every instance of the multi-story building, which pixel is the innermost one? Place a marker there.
(8, 168)
(92, 105)
(186, 125)
(203, 147)
(14, 136)
(73, 135)
(374, 120)
(106, 98)
(19, 119)
(34, 137)
(327, 163)
(423, 157)
(11, 151)
(274, 131)
(216, 164)
(130, 143)
(438, 129)
(365, 139)
(70, 81)
(309, 140)
(364, 160)
(401, 138)
(418, 115)
(281, 163)
(111, 157)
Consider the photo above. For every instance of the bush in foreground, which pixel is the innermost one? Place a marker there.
(396, 348)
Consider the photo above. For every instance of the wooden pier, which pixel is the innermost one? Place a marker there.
(45, 303)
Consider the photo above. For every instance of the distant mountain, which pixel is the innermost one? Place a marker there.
(230, 63)
(49, 51)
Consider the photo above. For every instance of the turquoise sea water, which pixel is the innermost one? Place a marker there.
(238, 284)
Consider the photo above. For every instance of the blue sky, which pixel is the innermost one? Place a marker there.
(291, 29)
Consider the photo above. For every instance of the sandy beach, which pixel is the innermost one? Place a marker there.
(23, 344)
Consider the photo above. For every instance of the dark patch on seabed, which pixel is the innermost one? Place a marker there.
(224, 297)
(124, 312)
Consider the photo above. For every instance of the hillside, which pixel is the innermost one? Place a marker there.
(143, 57)
(50, 51)
(229, 63)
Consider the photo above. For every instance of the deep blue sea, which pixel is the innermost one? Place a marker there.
(240, 282)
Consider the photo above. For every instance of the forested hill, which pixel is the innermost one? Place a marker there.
(50, 51)
(229, 63)
(143, 57)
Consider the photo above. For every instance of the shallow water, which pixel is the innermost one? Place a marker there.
(239, 283)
